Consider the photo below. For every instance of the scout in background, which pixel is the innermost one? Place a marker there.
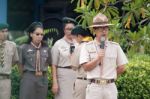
(8, 57)
(63, 75)
(82, 36)
(103, 60)
(35, 58)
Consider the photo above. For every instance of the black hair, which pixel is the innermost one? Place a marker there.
(79, 30)
(32, 27)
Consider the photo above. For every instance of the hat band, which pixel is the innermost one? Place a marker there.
(100, 23)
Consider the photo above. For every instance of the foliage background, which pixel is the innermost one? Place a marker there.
(131, 19)
(133, 84)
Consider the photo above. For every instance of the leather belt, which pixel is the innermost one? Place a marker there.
(102, 81)
(82, 78)
(33, 72)
(67, 67)
(4, 76)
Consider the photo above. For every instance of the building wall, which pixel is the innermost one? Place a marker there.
(3, 11)
(22, 12)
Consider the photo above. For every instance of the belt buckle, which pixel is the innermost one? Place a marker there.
(38, 73)
(83, 78)
(103, 82)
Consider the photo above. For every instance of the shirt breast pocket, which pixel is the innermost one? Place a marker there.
(44, 57)
(9, 52)
(64, 52)
(30, 56)
(8, 55)
(92, 55)
(111, 59)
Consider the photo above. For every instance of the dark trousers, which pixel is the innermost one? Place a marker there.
(33, 87)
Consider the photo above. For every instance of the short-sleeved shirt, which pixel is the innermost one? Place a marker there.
(61, 53)
(27, 57)
(114, 57)
(10, 57)
(75, 61)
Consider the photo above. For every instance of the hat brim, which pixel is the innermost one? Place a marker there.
(102, 25)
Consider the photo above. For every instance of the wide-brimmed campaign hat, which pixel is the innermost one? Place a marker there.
(100, 20)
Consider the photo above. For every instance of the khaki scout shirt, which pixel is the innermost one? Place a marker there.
(27, 56)
(10, 57)
(75, 61)
(61, 53)
(114, 56)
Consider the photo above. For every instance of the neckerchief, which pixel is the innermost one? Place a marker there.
(2, 52)
(38, 61)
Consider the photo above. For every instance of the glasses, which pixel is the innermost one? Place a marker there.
(68, 29)
(106, 28)
(39, 34)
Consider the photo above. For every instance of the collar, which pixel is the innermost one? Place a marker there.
(98, 43)
(68, 41)
(3, 42)
(37, 47)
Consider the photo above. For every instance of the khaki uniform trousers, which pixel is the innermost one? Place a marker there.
(66, 79)
(97, 91)
(80, 89)
(5, 88)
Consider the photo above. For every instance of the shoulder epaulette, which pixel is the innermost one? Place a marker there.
(10, 42)
(114, 43)
(89, 43)
(91, 47)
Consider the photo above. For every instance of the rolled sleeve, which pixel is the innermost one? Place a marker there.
(49, 60)
(121, 57)
(21, 55)
(84, 55)
(55, 55)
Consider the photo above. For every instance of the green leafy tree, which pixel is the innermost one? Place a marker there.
(130, 19)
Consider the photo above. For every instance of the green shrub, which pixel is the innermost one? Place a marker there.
(15, 78)
(135, 82)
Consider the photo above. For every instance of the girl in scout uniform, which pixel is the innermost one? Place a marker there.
(80, 35)
(35, 58)
(63, 75)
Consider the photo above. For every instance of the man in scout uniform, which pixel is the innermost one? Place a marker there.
(81, 35)
(63, 75)
(8, 57)
(103, 60)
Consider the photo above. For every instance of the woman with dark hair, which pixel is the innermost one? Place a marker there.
(63, 75)
(35, 58)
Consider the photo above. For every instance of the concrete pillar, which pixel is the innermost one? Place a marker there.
(3, 11)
